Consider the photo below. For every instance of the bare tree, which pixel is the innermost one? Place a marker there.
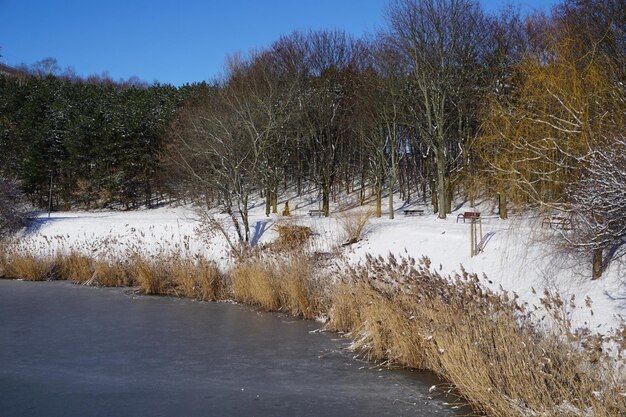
(45, 67)
(381, 108)
(283, 70)
(335, 59)
(444, 42)
(598, 205)
(290, 56)
(223, 143)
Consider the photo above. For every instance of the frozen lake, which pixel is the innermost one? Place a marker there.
(67, 350)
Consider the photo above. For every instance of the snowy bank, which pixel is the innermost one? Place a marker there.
(516, 257)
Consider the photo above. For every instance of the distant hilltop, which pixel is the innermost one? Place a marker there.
(10, 71)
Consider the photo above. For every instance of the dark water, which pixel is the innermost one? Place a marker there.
(75, 351)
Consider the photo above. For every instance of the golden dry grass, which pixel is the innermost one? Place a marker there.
(354, 224)
(112, 273)
(254, 283)
(22, 265)
(277, 284)
(4, 250)
(345, 312)
(488, 347)
(75, 266)
(198, 279)
(291, 236)
(152, 275)
(165, 274)
(299, 293)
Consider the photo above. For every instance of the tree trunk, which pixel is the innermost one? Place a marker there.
(243, 213)
(379, 210)
(236, 224)
(597, 264)
(275, 199)
(433, 192)
(408, 182)
(246, 225)
(362, 196)
(148, 192)
(391, 213)
(326, 199)
(502, 210)
(449, 195)
(441, 183)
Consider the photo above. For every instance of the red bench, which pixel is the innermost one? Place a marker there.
(468, 215)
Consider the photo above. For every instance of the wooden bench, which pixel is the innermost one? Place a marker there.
(418, 212)
(318, 213)
(557, 222)
(468, 215)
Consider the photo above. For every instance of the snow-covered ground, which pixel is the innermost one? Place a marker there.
(516, 257)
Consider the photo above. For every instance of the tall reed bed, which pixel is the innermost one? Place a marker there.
(278, 283)
(163, 274)
(26, 265)
(175, 275)
(497, 354)
(492, 350)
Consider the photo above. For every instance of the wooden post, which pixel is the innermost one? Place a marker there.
(472, 232)
(476, 236)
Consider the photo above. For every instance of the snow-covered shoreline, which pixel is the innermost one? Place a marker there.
(516, 257)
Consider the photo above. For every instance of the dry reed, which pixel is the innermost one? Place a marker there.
(112, 273)
(152, 275)
(26, 266)
(75, 266)
(488, 347)
(277, 284)
(198, 279)
(354, 225)
(291, 236)
(485, 344)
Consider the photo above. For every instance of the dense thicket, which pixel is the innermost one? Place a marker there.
(95, 141)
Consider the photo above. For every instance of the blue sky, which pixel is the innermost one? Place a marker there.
(173, 41)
